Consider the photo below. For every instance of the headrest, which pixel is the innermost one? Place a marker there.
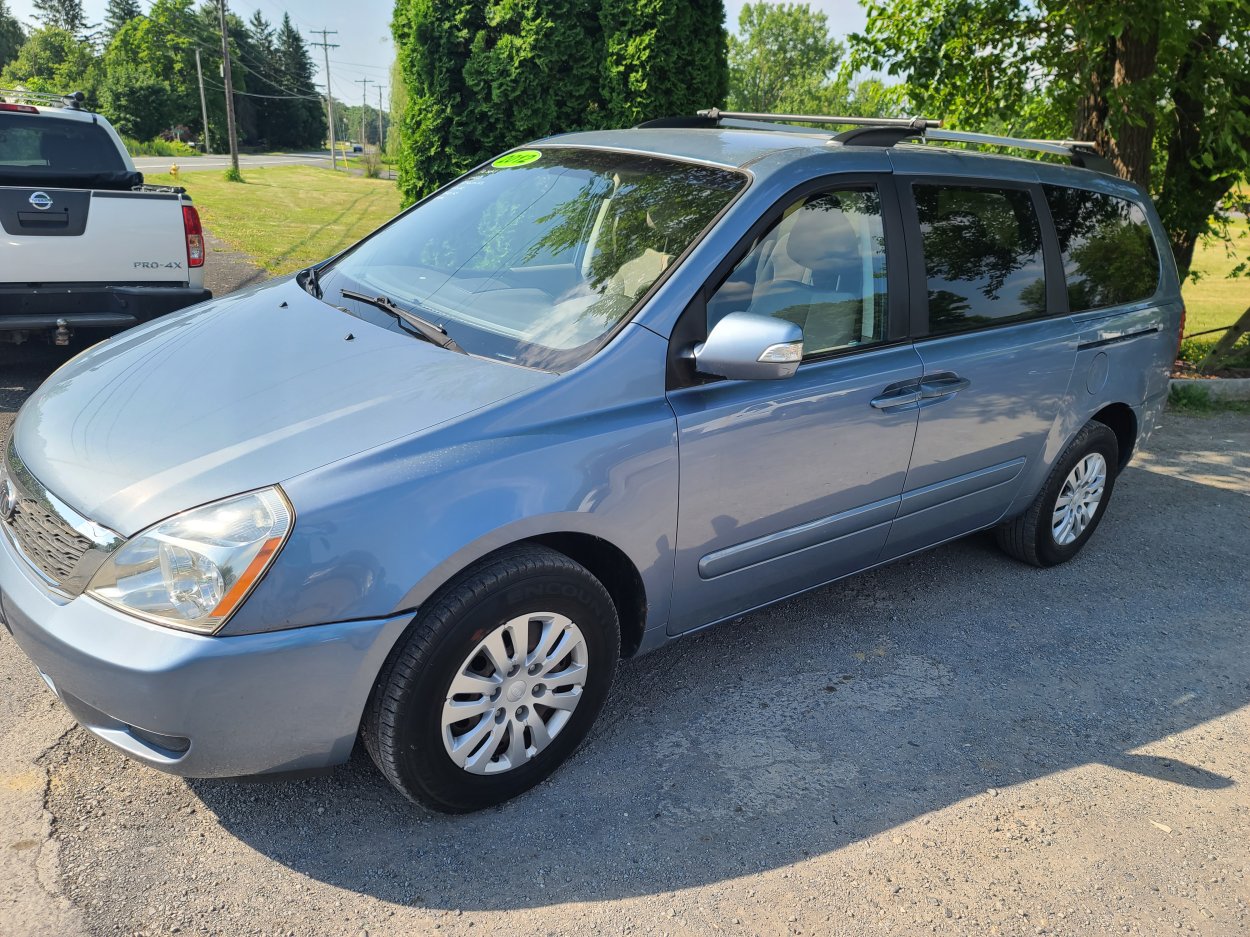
(821, 238)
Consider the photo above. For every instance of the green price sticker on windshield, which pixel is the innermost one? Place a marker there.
(519, 158)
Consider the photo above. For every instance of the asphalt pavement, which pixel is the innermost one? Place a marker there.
(955, 744)
(155, 164)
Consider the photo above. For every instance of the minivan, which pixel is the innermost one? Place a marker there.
(601, 392)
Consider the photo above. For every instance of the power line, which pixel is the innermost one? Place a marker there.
(326, 46)
(379, 68)
(271, 97)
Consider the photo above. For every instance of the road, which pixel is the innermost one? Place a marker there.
(955, 744)
(155, 164)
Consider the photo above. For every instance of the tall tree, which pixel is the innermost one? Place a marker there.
(535, 66)
(62, 14)
(433, 40)
(117, 14)
(11, 35)
(782, 57)
(663, 57)
(304, 122)
(1161, 86)
(484, 76)
(55, 61)
(265, 69)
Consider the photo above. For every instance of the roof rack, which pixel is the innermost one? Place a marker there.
(917, 124)
(888, 131)
(73, 100)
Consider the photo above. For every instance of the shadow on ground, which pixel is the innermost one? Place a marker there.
(25, 367)
(825, 720)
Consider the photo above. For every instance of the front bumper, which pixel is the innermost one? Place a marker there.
(199, 706)
(25, 308)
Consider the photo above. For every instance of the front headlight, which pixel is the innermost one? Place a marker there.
(192, 571)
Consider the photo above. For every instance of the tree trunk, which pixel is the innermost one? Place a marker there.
(1136, 55)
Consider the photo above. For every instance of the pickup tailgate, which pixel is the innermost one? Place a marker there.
(55, 235)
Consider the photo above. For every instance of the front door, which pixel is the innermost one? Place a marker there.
(788, 484)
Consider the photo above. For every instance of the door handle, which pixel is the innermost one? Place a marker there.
(943, 385)
(897, 395)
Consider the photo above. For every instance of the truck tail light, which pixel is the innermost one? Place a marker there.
(195, 236)
(19, 108)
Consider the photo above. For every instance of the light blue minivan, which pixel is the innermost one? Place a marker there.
(599, 393)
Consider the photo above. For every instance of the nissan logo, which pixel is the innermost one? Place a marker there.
(41, 200)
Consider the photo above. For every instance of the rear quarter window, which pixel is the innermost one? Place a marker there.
(1109, 252)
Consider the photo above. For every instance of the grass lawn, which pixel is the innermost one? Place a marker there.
(287, 217)
(1216, 300)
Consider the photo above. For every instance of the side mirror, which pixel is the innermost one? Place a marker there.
(744, 346)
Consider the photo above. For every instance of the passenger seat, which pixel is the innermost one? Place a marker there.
(827, 302)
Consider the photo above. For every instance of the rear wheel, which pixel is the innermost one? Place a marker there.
(1071, 504)
(496, 682)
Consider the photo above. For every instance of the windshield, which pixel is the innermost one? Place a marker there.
(537, 257)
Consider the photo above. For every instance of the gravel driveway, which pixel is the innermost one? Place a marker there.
(956, 744)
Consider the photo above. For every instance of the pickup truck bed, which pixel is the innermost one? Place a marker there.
(83, 244)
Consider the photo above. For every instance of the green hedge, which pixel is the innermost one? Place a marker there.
(484, 77)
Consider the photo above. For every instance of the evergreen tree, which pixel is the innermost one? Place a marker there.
(433, 39)
(262, 32)
(62, 14)
(663, 58)
(483, 77)
(264, 72)
(117, 15)
(533, 71)
(304, 122)
(11, 35)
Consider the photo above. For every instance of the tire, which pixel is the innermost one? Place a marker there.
(1031, 537)
(466, 633)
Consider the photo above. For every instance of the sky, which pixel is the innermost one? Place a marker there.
(364, 35)
(845, 16)
(364, 31)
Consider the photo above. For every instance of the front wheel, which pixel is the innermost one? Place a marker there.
(496, 682)
(1071, 504)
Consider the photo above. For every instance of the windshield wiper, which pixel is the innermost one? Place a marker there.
(312, 284)
(421, 327)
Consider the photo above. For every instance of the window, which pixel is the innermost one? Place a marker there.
(822, 267)
(38, 143)
(535, 261)
(982, 256)
(1109, 254)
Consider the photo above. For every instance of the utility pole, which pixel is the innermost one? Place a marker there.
(364, 107)
(208, 150)
(326, 46)
(225, 73)
(381, 141)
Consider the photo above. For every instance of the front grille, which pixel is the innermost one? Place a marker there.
(45, 541)
(64, 548)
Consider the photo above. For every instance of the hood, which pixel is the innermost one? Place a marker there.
(238, 394)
